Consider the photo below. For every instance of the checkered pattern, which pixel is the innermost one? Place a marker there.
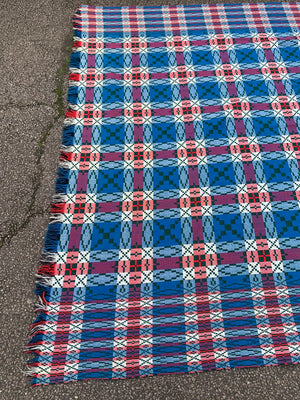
(174, 245)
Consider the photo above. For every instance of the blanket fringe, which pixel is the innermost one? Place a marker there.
(65, 164)
(67, 149)
(59, 198)
(45, 280)
(49, 257)
(56, 218)
(40, 305)
(68, 134)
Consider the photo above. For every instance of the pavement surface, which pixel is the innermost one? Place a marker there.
(36, 40)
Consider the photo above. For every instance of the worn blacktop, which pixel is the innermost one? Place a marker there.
(36, 39)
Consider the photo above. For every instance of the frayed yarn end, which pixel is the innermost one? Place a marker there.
(42, 328)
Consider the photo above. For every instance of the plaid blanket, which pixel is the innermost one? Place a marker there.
(174, 240)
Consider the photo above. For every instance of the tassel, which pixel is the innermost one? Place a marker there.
(52, 237)
(62, 180)
(72, 95)
(75, 59)
(68, 135)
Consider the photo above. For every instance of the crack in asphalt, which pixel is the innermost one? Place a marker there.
(58, 105)
(21, 105)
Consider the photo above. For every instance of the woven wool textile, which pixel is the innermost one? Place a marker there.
(174, 241)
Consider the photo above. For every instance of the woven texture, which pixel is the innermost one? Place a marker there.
(174, 242)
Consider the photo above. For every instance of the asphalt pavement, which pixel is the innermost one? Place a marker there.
(36, 39)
